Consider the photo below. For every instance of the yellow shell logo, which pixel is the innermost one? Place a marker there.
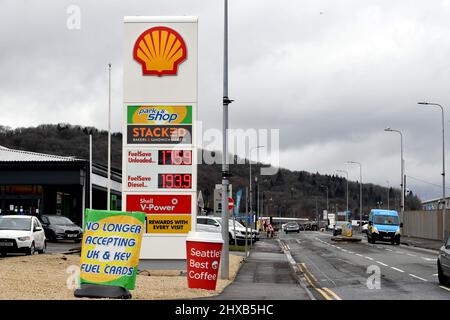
(160, 50)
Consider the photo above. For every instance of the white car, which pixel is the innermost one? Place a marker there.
(21, 234)
(213, 224)
(364, 228)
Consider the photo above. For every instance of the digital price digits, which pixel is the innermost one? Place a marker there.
(175, 180)
(175, 157)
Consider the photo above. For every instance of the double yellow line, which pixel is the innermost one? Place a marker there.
(327, 293)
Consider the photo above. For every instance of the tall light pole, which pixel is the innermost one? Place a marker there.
(90, 173)
(444, 211)
(108, 191)
(346, 172)
(402, 168)
(360, 191)
(318, 216)
(388, 195)
(250, 177)
(225, 166)
(325, 187)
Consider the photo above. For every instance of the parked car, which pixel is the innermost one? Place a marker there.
(443, 263)
(364, 228)
(20, 233)
(384, 225)
(213, 224)
(60, 228)
(291, 227)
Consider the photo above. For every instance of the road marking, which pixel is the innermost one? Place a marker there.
(323, 293)
(309, 280)
(359, 255)
(351, 252)
(396, 269)
(429, 259)
(389, 250)
(344, 250)
(383, 264)
(411, 255)
(445, 288)
(320, 271)
(307, 274)
(306, 269)
(296, 269)
(289, 248)
(369, 258)
(332, 293)
(414, 276)
(435, 275)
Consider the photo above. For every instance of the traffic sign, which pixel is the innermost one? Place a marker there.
(230, 203)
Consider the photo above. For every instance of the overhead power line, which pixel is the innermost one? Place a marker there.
(427, 182)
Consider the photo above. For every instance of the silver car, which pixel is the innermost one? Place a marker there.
(443, 263)
(292, 227)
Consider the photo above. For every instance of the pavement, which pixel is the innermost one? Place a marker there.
(422, 243)
(265, 274)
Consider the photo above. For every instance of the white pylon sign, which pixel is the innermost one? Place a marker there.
(159, 165)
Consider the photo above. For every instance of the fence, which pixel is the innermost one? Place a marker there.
(423, 224)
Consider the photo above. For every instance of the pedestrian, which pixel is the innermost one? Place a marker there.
(269, 231)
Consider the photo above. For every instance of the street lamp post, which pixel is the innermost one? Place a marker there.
(318, 216)
(257, 203)
(360, 191)
(346, 172)
(325, 187)
(108, 191)
(250, 176)
(389, 187)
(402, 168)
(444, 211)
(225, 167)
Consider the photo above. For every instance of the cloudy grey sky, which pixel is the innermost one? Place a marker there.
(330, 74)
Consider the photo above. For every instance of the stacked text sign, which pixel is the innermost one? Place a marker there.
(160, 108)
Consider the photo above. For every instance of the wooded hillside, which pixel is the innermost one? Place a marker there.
(288, 193)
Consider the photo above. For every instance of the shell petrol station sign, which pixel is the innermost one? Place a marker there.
(160, 109)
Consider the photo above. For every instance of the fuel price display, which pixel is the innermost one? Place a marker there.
(175, 180)
(159, 169)
(175, 157)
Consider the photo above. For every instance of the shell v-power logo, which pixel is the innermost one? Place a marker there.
(160, 50)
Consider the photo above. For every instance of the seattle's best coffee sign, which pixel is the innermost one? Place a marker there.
(160, 108)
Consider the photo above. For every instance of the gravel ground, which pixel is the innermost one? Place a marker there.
(44, 277)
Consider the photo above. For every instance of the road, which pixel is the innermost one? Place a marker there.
(55, 247)
(62, 246)
(337, 271)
